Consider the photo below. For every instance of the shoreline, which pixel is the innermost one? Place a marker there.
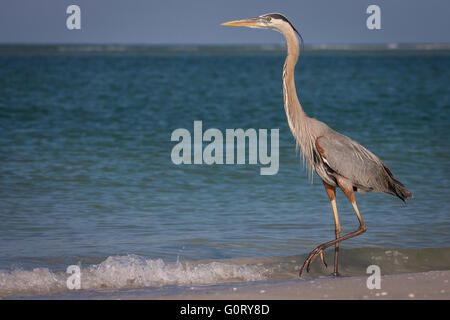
(408, 286)
(430, 285)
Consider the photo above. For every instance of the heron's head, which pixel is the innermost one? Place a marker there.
(274, 21)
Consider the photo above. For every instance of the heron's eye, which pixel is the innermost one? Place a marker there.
(268, 19)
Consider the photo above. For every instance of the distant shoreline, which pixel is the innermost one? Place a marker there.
(193, 48)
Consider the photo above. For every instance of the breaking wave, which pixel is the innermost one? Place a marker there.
(128, 271)
(132, 271)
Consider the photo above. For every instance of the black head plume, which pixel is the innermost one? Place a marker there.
(281, 17)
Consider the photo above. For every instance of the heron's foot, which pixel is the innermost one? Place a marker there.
(313, 255)
(336, 274)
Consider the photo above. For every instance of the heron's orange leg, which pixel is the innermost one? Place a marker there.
(331, 191)
(348, 190)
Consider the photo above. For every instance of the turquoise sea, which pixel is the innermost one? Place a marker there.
(86, 176)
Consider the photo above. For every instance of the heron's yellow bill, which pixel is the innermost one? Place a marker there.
(241, 23)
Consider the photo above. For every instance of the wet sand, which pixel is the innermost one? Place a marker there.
(426, 285)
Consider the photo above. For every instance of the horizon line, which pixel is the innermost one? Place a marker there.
(267, 47)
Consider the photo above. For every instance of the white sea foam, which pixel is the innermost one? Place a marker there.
(132, 271)
(128, 272)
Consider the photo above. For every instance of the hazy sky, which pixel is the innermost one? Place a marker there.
(198, 21)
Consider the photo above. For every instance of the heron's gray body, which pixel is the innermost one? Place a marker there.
(330, 154)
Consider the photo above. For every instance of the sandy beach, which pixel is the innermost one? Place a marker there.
(426, 285)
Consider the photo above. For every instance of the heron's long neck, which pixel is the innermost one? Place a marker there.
(295, 115)
(297, 119)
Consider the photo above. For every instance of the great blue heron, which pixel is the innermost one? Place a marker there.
(337, 159)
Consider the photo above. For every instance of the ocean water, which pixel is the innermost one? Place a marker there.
(86, 176)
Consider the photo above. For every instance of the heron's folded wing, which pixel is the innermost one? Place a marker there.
(352, 161)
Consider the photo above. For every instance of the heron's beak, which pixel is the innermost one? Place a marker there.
(252, 23)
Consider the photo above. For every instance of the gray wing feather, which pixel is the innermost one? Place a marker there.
(351, 160)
